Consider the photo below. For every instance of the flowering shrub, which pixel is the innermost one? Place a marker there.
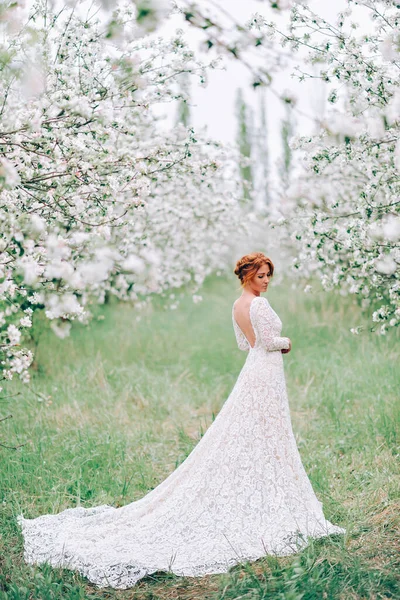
(97, 199)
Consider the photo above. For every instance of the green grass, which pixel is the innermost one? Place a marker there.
(114, 409)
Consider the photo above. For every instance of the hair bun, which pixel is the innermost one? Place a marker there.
(238, 268)
(247, 266)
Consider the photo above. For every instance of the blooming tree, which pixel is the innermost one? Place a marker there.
(95, 197)
(343, 212)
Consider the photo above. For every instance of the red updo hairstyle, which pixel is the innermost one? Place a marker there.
(247, 266)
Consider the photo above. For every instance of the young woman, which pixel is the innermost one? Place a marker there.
(242, 493)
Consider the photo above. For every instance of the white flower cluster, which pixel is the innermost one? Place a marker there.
(97, 199)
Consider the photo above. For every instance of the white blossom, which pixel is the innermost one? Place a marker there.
(388, 48)
(392, 110)
(25, 322)
(344, 125)
(133, 263)
(33, 80)
(391, 228)
(25, 377)
(30, 269)
(14, 334)
(397, 156)
(9, 176)
(386, 265)
(38, 224)
(59, 269)
(64, 306)
(61, 328)
(37, 298)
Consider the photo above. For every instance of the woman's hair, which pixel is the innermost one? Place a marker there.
(247, 266)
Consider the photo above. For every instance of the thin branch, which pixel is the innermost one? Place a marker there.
(10, 396)
(13, 447)
(5, 418)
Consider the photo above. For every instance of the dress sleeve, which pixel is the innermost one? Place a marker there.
(268, 324)
(241, 339)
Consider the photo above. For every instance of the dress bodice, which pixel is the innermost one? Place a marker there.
(267, 327)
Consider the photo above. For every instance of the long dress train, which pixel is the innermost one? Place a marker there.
(241, 493)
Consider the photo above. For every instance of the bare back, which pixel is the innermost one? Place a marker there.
(241, 313)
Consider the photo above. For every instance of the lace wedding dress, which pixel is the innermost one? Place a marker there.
(242, 493)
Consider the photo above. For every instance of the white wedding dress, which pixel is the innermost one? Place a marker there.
(242, 493)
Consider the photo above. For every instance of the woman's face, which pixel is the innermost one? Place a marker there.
(261, 279)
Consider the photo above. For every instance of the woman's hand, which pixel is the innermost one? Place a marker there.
(289, 349)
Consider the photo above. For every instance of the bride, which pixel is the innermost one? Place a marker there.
(241, 494)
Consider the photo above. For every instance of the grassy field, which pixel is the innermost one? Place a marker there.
(114, 409)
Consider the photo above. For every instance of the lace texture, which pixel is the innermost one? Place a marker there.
(241, 493)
